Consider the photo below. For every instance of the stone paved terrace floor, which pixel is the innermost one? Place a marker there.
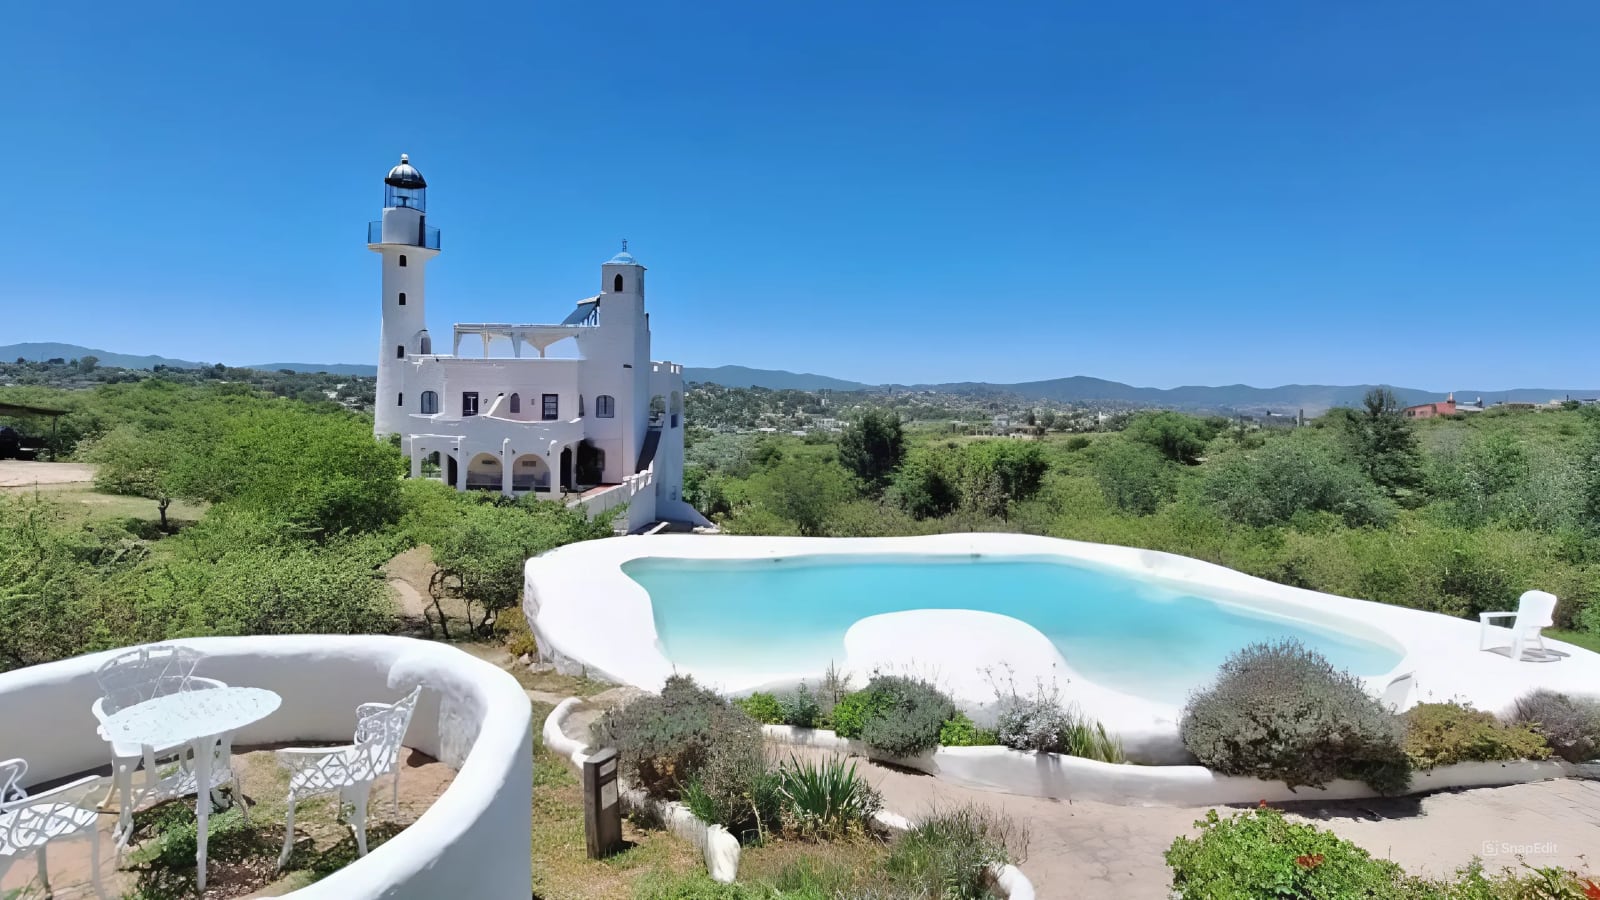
(1097, 851)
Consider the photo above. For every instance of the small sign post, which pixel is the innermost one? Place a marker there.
(602, 808)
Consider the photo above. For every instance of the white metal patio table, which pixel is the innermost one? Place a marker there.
(202, 720)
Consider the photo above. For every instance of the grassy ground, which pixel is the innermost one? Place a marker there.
(1581, 638)
(81, 503)
(562, 869)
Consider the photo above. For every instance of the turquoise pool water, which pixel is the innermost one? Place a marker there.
(1147, 637)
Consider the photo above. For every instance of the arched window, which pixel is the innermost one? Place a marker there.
(425, 344)
(605, 406)
(402, 260)
(402, 298)
(430, 403)
(516, 403)
(616, 284)
(580, 406)
(400, 352)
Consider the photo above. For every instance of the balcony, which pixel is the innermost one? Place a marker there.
(425, 237)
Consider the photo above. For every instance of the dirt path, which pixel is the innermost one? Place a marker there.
(21, 473)
(1097, 851)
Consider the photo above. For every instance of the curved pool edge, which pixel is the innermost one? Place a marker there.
(588, 614)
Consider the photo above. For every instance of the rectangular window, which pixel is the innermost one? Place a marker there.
(469, 403)
(552, 406)
(399, 399)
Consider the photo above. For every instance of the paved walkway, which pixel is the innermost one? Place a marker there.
(16, 473)
(1097, 851)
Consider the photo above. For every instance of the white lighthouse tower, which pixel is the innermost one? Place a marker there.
(406, 242)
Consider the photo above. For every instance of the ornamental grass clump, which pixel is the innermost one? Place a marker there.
(1283, 712)
(1441, 734)
(1571, 725)
(948, 854)
(827, 799)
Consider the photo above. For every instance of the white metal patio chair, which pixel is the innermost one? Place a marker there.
(141, 674)
(351, 769)
(30, 824)
(1535, 611)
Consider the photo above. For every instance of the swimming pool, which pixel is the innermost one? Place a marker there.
(1139, 634)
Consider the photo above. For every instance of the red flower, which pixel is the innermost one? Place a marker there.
(1263, 805)
(1590, 889)
(1309, 861)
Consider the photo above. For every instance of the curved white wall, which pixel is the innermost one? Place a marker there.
(589, 615)
(474, 839)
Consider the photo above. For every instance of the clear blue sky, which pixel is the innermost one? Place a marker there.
(1158, 193)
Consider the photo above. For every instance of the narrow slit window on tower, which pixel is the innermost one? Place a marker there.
(616, 284)
(400, 352)
(402, 298)
(399, 399)
(402, 260)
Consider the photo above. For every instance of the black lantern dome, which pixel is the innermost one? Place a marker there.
(405, 186)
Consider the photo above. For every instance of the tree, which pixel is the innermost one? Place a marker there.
(926, 485)
(87, 364)
(998, 473)
(1291, 476)
(1133, 476)
(802, 489)
(1384, 443)
(138, 463)
(1180, 438)
(873, 447)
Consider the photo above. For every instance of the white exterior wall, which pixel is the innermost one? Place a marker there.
(614, 361)
(402, 325)
(472, 842)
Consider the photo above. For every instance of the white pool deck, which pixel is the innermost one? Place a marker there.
(587, 614)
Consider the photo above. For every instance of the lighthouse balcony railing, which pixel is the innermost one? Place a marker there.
(425, 236)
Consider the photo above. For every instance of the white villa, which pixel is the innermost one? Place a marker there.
(604, 425)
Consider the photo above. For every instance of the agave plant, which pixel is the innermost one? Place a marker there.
(826, 799)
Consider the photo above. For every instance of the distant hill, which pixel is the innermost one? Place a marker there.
(38, 352)
(42, 351)
(776, 379)
(330, 368)
(1315, 399)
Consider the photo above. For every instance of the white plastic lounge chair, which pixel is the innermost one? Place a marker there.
(141, 674)
(30, 824)
(1535, 611)
(351, 769)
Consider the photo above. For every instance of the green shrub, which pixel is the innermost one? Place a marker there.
(949, 853)
(1440, 734)
(827, 799)
(665, 740)
(1040, 723)
(511, 627)
(800, 708)
(1283, 712)
(905, 716)
(1261, 854)
(958, 731)
(1289, 478)
(735, 788)
(762, 707)
(850, 713)
(1571, 725)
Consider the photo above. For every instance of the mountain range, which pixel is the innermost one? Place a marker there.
(1312, 398)
(42, 351)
